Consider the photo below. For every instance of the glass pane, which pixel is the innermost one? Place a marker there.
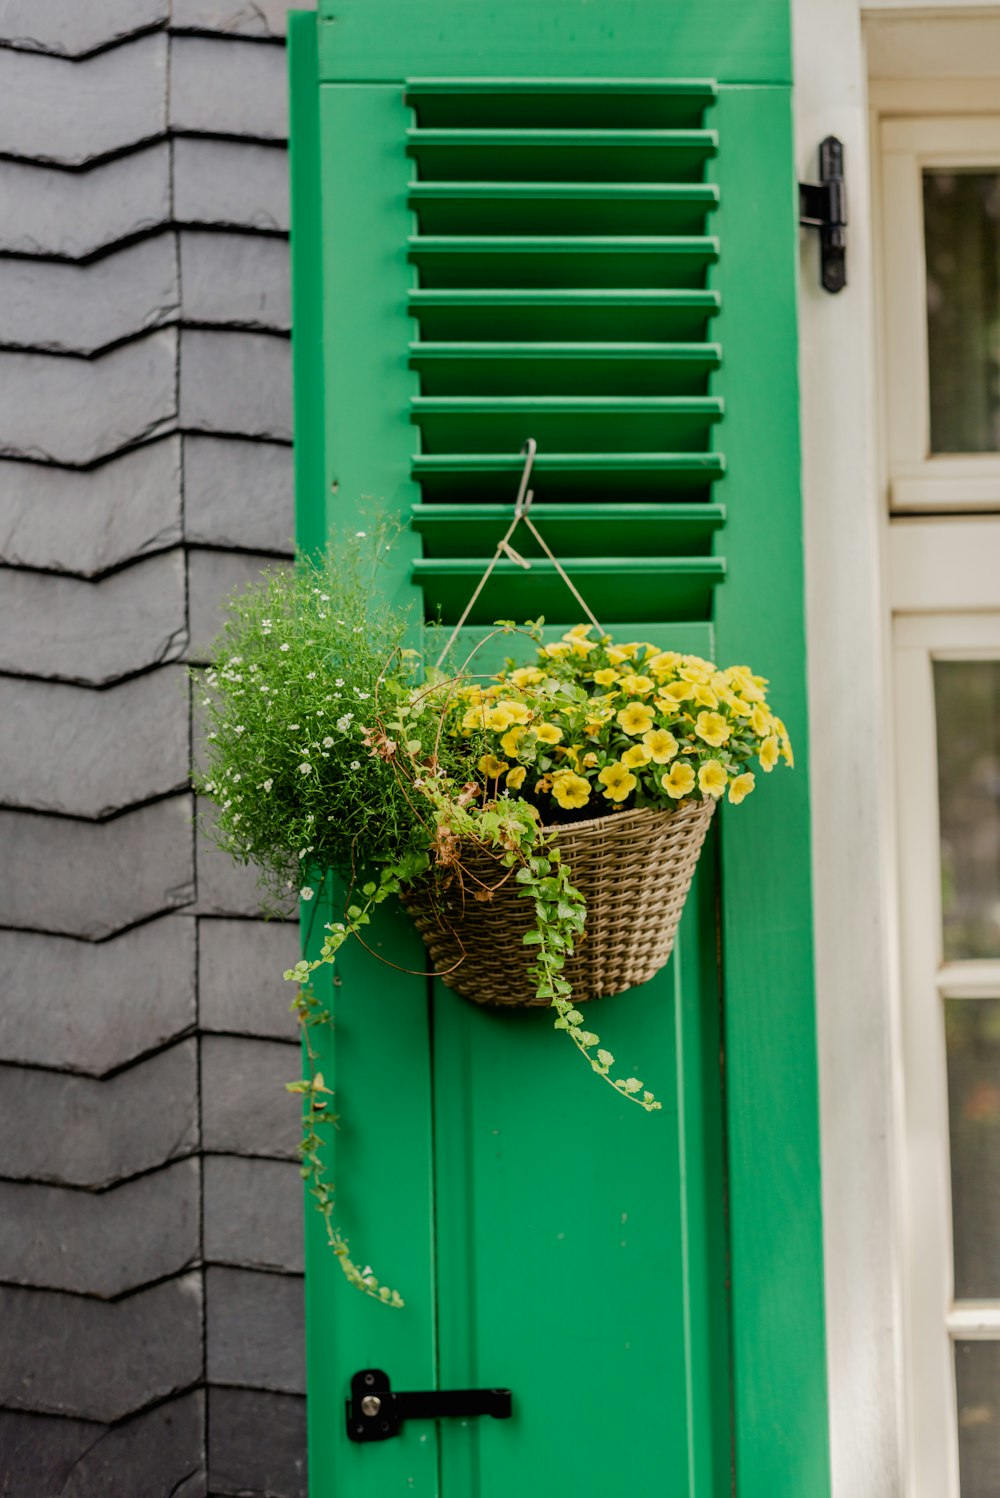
(962, 248)
(972, 1030)
(977, 1376)
(967, 704)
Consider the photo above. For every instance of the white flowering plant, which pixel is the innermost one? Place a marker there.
(331, 747)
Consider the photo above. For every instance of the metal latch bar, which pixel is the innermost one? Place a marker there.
(375, 1412)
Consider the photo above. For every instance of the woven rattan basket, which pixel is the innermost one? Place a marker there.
(634, 868)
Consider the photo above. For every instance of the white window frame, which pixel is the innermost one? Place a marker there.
(935, 1320)
(919, 481)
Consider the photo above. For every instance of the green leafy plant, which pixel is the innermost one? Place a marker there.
(331, 747)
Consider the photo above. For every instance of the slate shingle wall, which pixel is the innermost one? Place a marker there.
(150, 1234)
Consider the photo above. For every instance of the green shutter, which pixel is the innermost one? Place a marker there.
(542, 219)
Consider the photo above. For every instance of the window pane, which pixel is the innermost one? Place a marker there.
(962, 248)
(972, 1029)
(967, 703)
(977, 1376)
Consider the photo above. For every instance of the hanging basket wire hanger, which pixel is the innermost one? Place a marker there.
(522, 505)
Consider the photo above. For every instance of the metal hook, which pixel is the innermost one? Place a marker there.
(522, 503)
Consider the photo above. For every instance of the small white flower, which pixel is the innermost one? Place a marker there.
(213, 735)
(293, 727)
(206, 702)
(355, 764)
(362, 696)
(239, 728)
(328, 743)
(236, 777)
(267, 784)
(344, 723)
(310, 676)
(284, 647)
(339, 681)
(305, 768)
(325, 597)
(361, 535)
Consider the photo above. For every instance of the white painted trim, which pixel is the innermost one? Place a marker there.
(944, 564)
(850, 767)
(975, 1322)
(925, 981)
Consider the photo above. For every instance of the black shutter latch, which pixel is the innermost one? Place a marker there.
(375, 1413)
(823, 206)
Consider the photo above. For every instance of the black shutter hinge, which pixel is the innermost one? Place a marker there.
(375, 1413)
(823, 206)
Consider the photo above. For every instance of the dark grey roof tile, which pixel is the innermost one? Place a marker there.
(69, 629)
(238, 493)
(237, 383)
(254, 1330)
(246, 1109)
(231, 184)
(75, 1131)
(66, 1354)
(213, 577)
(84, 522)
(92, 879)
(235, 278)
(253, 1213)
(240, 982)
(68, 29)
(88, 753)
(101, 1243)
(259, 18)
(69, 113)
(239, 1461)
(228, 87)
(51, 212)
(106, 1002)
(67, 308)
(76, 411)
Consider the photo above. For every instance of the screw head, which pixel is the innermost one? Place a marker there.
(371, 1404)
(369, 1378)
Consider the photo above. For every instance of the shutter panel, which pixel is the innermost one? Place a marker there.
(541, 219)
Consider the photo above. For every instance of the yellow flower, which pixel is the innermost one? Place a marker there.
(705, 697)
(636, 756)
(517, 710)
(680, 781)
(740, 706)
(635, 718)
(663, 663)
(548, 733)
(526, 676)
(760, 720)
(556, 651)
(578, 632)
(515, 778)
(570, 790)
(713, 728)
(631, 684)
(590, 760)
(474, 718)
(491, 766)
(741, 787)
(698, 674)
(748, 685)
(605, 677)
(498, 718)
(618, 782)
(511, 741)
(712, 778)
(769, 753)
(678, 691)
(662, 745)
(619, 653)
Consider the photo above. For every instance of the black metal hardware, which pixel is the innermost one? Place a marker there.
(375, 1413)
(823, 206)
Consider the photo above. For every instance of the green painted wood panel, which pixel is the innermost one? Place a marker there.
(465, 1206)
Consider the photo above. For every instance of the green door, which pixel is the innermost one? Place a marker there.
(572, 221)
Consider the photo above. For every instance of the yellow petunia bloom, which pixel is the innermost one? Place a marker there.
(662, 746)
(517, 710)
(698, 674)
(633, 685)
(748, 685)
(491, 766)
(557, 650)
(739, 705)
(570, 790)
(578, 632)
(741, 787)
(636, 756)
(605, 677)
(474, 718)
(590, 760)
(526, 676)
(680, 781)
(760, 720)
(713, 728)
(515, 778)
(678, 691)
(661, 664)
(618, 782)
(619, 653)
(705, 697)
(511, 741)
(635, 718)
(712, 778)
(498, 718)
(768, 754)
(548, 733)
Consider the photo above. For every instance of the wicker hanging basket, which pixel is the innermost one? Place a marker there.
(634, 868)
